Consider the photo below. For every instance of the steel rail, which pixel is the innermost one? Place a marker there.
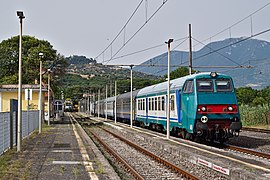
(118, 157)
(256, 130)
(247, 151)
(159, 159)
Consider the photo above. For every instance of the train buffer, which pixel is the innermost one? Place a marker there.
(62, 151)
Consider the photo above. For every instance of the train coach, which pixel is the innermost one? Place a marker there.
(203, 106)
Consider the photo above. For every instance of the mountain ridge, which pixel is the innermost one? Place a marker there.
(229, 52)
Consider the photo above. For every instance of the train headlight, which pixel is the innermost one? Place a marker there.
(203, 109)
(204, 119)
(230, 108)
(213, 74)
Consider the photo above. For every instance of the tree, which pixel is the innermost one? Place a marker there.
(246, 95)
(258, 101)
(179, 72)
(31, 47)
(75, 59)
(265, 93)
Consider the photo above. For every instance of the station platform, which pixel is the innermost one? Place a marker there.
(61, 151)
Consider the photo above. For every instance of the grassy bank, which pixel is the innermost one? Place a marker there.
(255, 116)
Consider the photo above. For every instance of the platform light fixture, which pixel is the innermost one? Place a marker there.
(168, 89)
(19, 133)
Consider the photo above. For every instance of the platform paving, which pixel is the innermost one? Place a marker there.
(59, 152)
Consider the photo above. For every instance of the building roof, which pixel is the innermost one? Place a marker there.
(14, 87)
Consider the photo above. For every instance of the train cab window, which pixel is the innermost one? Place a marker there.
(172, 102)
(188, 87)
(223, 85)
(205, 85)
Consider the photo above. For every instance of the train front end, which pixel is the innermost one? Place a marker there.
(217, 116)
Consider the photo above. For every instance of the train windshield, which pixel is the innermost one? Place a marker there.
(205, 85)
(223, 85)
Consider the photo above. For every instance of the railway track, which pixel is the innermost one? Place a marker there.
(256, 130)
(247, 151)
(170, 171)
(192, 146)
(160, 165)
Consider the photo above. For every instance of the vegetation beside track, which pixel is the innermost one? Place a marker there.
(255, 115)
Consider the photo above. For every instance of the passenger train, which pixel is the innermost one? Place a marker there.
(203, 106)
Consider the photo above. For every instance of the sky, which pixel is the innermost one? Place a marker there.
(87, 27)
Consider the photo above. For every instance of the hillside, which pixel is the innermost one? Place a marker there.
(81, 78)
(251, 52)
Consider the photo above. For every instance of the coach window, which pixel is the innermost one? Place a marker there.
(149, 104)
(156, 103)
(159, 103)
(153, 104)
(172, 102)
(162, 103)
(188, 87)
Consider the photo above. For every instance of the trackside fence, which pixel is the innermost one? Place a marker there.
(8, 127)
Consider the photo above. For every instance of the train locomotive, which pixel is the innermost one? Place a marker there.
(203, 106)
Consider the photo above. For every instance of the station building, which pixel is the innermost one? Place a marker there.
(10, 91)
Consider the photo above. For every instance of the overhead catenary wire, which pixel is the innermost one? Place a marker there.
(122, 29)
(229, 28)
(147, 49)
(236, 23)
(217, 52)
(243, 39)
(164, 1)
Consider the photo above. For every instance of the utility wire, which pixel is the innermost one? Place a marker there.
(244, 39)
(163, 3)
(217, 52)
(238, 22)
(121, 29)
(147, 49)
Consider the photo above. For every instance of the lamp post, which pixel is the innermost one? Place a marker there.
(19, 133)
(131, 103)
(168, 90)
(49, 87)
(40, 92)
(106, 101)
(115, 108)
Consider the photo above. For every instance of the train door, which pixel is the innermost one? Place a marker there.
(146, 110)
(178, 105)
(188, 105)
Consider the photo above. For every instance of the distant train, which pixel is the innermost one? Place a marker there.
(203, 106)
(68, 105)
(58, 108)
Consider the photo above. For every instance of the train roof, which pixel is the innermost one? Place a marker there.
(111, 99)
(174, 84)
(127, 95)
